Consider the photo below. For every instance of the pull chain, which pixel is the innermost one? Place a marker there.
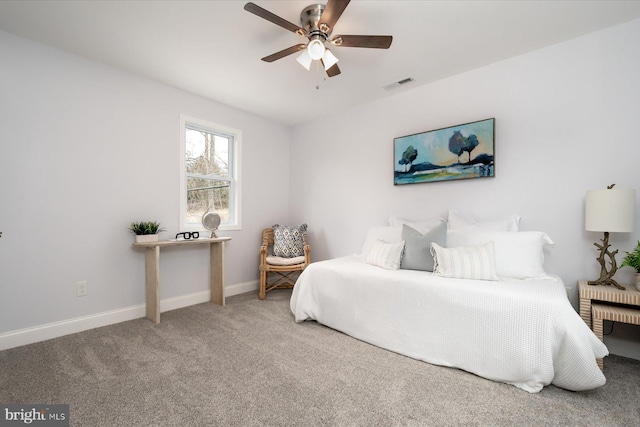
(317, 75)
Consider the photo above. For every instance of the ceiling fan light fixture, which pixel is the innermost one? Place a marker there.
(317, 22)
(316, 49)
(304, 59)
(329, 59)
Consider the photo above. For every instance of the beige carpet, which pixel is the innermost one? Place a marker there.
(250, 364)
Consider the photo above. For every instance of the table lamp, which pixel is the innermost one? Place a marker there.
(611, 211)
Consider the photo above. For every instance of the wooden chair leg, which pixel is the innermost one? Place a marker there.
(263, 285)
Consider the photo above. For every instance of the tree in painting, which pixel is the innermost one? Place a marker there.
(458, 144)
(409, 155)
(470, 143)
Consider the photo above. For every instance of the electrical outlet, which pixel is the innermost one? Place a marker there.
(82, 289)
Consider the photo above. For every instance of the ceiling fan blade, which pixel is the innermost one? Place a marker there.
(333, 71)
(286, 52)
(265, 14)
(332, 12)
(376, 42)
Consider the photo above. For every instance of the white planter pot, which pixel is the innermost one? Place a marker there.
(144, 238)
(638, 281)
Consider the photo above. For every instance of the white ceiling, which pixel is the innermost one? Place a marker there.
(213, 48)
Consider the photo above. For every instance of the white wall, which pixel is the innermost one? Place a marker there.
(85, 150)
(566, 122)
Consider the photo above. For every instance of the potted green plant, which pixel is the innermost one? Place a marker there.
(633, 260)
(146, 231)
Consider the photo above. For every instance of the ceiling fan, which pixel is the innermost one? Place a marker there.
(316, 24)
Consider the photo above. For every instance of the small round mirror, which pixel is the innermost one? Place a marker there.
(211, 221)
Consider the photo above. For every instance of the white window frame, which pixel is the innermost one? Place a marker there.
(234, 172)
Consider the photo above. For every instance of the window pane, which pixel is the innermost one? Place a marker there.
(206, 194)
(209, 179)
(206, 153)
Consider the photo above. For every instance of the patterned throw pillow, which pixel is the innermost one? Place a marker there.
(288, 242)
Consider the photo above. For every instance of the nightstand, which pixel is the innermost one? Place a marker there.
(599, 303)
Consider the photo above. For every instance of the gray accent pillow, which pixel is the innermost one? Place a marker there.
(417, 249)
(288, 242)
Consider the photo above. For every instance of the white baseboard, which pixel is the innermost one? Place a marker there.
(624, 348)
(71, 326)
(623, 340)
(242, 288)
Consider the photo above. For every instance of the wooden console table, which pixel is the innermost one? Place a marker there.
(152, 270)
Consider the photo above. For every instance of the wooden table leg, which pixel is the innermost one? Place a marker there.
(585, 310)
(216, 273)
(597, 330)
(152, 278)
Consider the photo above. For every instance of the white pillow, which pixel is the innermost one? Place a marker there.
(518, 255)
(386, 255)
(458, 221)
(421, 226)
(473, 262)
(384, 233)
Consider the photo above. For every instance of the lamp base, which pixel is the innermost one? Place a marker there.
(606, 283)
(606, 276)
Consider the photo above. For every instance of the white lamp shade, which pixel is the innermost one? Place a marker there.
(329, 59)
(315, 49)
(304, 59)
(610, 210)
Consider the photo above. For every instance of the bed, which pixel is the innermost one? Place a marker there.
(519, 331)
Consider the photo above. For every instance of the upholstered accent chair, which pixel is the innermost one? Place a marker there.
(280, 269)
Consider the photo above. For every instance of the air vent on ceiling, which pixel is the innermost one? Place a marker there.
(398, 83)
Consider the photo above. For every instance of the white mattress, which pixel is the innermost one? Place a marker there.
(520, 332)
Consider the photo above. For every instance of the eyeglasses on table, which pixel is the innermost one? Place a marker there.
(188, 235)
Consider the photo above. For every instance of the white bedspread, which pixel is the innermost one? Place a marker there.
(520, 332)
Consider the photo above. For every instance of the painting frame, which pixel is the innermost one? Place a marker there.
(438, 155)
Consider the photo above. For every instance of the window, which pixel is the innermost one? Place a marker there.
(209, 162)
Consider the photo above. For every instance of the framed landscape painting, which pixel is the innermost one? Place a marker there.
(457, 152)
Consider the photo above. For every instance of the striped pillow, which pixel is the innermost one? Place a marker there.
(386, 255)
(473, 262)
